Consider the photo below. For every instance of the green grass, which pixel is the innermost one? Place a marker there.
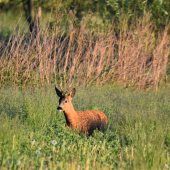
(137, 135)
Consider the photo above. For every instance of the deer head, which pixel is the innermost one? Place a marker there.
(65, 98)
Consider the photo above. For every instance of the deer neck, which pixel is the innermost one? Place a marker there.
(71, 116)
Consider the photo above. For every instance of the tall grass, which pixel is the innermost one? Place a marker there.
(137, 135)
(136, 56)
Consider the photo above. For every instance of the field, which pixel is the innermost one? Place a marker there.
(117, 55)
(33, 133)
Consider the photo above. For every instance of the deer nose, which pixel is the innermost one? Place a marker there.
(59, 108)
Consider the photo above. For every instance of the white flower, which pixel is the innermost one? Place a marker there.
(34, 142)
(54, 142)
(166, 166)
(37, 152)
(18, 162)
(78, 167)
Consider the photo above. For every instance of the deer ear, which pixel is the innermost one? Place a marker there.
(58, 92)
(72, 93)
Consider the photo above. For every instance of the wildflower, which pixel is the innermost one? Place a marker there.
(54, 142)
(33, 142)
(37, 152)
(78, 167)
(166, 166)
(18, 162)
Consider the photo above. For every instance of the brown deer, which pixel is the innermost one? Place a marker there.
(84, 121)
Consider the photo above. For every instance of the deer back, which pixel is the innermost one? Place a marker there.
(91, 120)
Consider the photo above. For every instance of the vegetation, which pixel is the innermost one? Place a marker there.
(103, 43)
(104, 11)
(118, 41)
(87, 54)
(33, 133)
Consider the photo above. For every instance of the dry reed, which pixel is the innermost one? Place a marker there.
(137, 56)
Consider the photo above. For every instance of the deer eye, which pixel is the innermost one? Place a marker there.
(65, 101)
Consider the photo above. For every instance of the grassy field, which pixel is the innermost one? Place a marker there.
(33, 133)
(127, 57)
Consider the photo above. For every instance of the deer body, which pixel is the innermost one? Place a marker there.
(84, 121)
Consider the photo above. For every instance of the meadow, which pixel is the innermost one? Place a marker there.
(119, 65)
(33, 133)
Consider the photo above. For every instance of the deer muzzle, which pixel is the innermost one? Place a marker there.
(59, 108)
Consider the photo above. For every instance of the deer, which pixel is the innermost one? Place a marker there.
(84, 122)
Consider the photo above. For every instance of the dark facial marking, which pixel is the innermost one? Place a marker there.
(59, 108)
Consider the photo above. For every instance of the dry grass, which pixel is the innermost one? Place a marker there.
(137, 56)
